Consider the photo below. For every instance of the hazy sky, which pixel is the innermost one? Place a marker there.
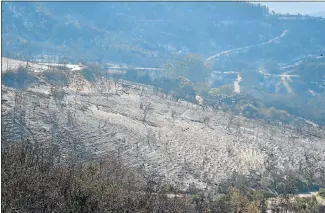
(295, 7)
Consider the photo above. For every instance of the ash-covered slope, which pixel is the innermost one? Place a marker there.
(179, 141)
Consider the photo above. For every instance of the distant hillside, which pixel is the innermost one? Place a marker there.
(134, 32)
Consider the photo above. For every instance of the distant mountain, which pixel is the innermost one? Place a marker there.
(147, 33)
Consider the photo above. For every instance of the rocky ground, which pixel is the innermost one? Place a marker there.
(180, 142)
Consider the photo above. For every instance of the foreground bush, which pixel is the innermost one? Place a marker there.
(36, 178)
(322, 192)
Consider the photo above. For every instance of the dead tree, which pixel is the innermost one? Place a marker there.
(19, 113)
(142, 90)
(145, 110)
(71, 118)
(206, 120)
(230, 121)
(57, 93)
(172, 113)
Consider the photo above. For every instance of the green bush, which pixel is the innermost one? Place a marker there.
(249, 110)
(19, 78)
(59, 77)
(224, 89)
(191, 67)
(322, 192)
(88, 74)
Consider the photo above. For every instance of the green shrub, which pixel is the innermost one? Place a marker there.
(19, 78)
(224, 89)
(322, 192)
(88, 74)
(249, 110)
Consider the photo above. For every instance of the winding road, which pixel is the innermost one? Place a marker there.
(227, 52)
